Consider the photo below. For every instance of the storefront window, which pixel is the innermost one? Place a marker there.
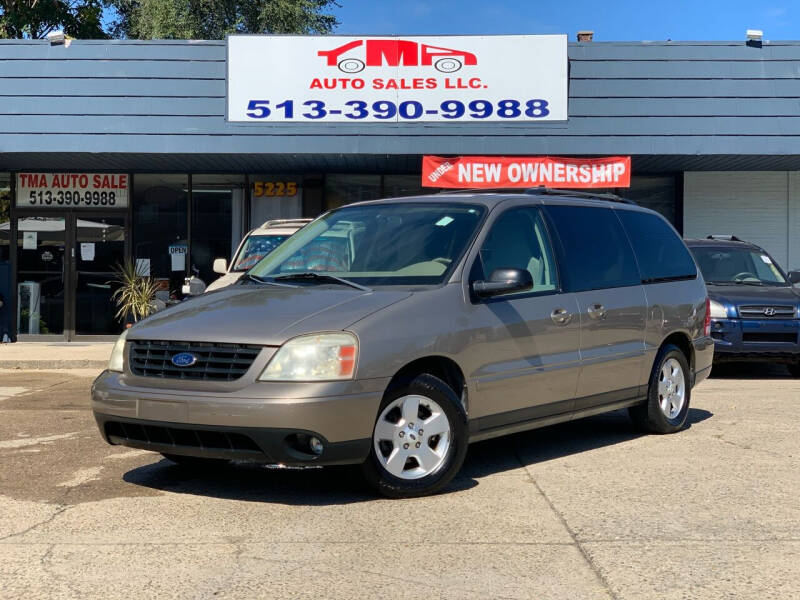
(275, 197)
(346, 189)
(654, 192)
(402, 185)
(5, 256)
(217, 219)
(160, 204)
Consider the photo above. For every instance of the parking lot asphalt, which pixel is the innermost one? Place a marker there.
(588, 509)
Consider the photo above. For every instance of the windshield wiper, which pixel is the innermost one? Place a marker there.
(322, 278)
(759, 283)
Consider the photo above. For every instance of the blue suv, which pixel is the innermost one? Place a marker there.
(755, 310)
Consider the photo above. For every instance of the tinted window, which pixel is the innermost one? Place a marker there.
(660, 252)
(596, 251)
(518, 240)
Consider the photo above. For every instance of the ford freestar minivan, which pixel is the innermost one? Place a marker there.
(392, 333)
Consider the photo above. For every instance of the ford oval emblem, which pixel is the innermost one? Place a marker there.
(184, 359)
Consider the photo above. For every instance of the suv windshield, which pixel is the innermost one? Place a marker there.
(379, 244)
(726, 265)
(254, 249)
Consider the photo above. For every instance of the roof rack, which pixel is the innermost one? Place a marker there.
(274, 222)
(547, 192)
(727, 238)
(559, 192)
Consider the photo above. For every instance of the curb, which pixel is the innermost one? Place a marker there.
(33, 365)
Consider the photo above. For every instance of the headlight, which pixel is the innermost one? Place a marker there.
(116, 363)
(718, 311)
(316, 357)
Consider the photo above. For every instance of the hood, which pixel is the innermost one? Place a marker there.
(263, 315)
(753, 294)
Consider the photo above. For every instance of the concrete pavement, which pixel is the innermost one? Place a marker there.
(589, 509)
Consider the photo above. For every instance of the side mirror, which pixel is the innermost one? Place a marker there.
(794, 277)
(220, 266)
(503, 281)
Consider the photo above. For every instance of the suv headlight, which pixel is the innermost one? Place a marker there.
(116, 362)
(315, 357)
(718, 311)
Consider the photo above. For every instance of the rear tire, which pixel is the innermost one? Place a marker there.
(419, 440)
(668, 394)
(196, 463)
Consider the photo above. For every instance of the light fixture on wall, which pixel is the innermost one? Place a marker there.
(755, 35)
(56, 37)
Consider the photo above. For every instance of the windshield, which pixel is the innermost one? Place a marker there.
(725, 265)
(254, 249)
(379, 244)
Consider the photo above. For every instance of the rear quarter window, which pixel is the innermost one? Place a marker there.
(595, 250)
(661, 253)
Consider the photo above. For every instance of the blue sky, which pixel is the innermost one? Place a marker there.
(611, 20)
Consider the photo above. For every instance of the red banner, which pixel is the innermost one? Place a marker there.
(525, 172)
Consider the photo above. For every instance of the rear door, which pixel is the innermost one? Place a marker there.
(525, 345)
(602, 273)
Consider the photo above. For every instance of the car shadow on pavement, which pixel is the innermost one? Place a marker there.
(750, 370)
(557, 441)
(344, 485)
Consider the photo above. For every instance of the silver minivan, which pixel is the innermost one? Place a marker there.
(392, 333)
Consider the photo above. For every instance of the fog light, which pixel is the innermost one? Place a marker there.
(316, 445)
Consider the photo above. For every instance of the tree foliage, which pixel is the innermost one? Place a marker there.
(34, 19)
(214, 19)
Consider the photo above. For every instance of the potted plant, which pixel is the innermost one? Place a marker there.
(136, 294)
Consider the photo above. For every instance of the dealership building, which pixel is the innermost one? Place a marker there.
(167, 152)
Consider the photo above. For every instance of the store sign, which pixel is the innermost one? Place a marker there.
(461, 79)
(72, 190)
(525, 172)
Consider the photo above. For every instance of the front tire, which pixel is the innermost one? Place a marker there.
(668, 394)
(419, 440)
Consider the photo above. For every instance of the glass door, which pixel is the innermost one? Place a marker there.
(41, 274)
(99, 246)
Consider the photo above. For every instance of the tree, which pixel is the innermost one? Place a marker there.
(214, 19)
(34, 19)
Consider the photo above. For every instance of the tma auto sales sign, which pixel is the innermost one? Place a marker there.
(513, 78)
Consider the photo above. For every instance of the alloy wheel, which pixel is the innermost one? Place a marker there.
(671, 388)
(412, 437)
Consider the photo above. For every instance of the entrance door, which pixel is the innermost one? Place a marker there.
(65, 272)
(99, 246)
(41, 274)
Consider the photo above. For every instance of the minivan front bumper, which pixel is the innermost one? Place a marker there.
(263, 422)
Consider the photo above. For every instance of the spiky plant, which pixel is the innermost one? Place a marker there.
(136, 292)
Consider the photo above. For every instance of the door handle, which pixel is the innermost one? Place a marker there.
(560, 316)
(597, 311)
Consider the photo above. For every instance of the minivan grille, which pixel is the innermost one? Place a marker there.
(767, 312)
(215, 362)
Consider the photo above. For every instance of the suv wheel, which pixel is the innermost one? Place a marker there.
(668, 394)
(419, 441)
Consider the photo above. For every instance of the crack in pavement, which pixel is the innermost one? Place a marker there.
(60, 510)
(575, 541)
